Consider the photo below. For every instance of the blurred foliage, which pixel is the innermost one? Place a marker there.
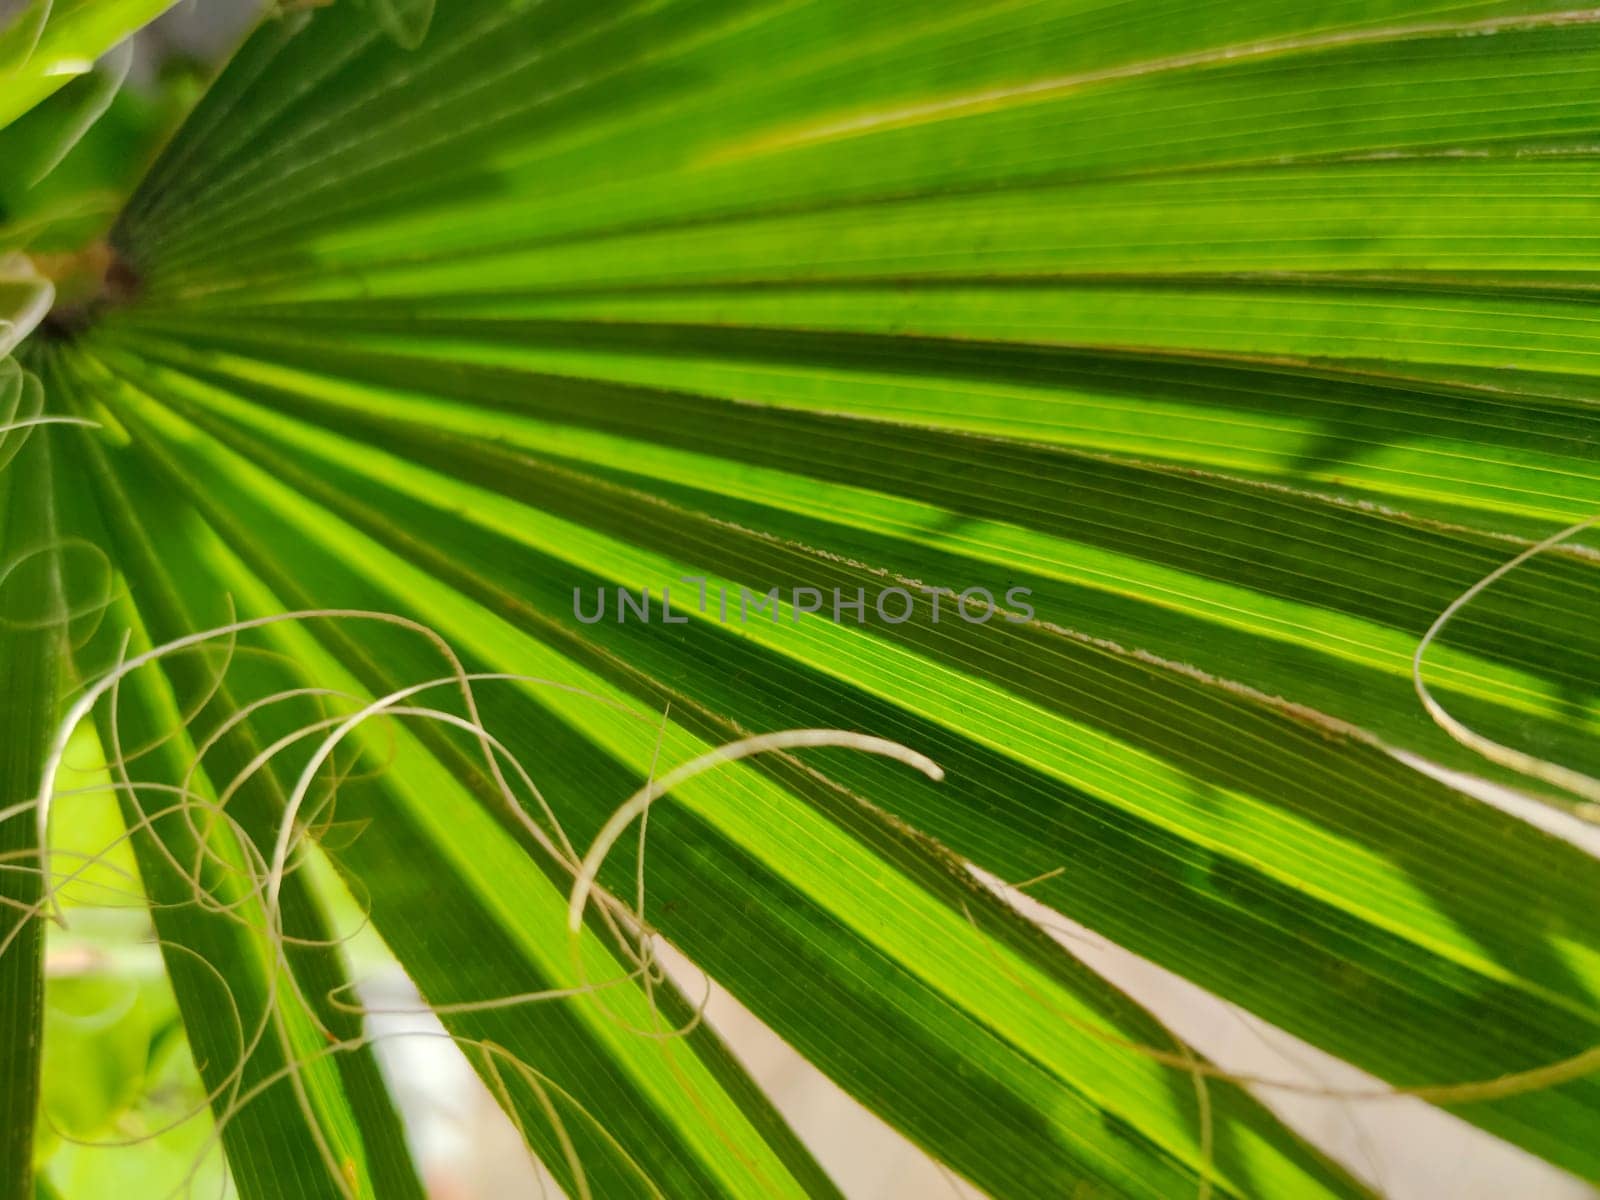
(116, 1063)
(75, 203)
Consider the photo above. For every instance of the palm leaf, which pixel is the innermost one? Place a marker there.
(1244, 342)
(1005, 1068)
(340, 1108)
(46, 44)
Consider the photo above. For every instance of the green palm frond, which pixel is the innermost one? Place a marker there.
(1187, 362)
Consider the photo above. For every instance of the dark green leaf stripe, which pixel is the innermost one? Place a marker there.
(33, 635)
